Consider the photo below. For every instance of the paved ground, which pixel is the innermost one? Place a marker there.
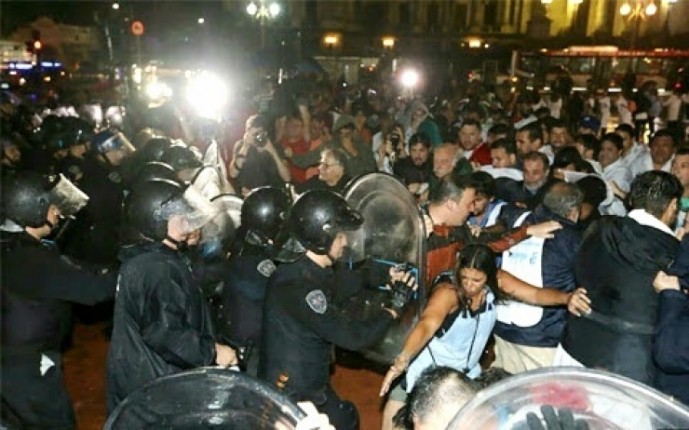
(85, 375)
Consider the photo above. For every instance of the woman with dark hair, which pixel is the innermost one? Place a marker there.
(459, 317)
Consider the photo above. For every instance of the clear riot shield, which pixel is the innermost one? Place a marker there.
(584, 398)
(220, 231)
(393, 234)
(67, 197)
(92, 113)
(231, 205)
(207, 398)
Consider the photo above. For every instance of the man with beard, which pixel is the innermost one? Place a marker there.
(415, 170)
(530, 139)
(475, 149)
(559, 134)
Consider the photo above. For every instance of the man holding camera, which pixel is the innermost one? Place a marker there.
(255, 160)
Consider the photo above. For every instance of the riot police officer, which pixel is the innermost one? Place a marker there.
(162, 323)
(37, 287)
(251, 264)
(93, 237)
(301, 322)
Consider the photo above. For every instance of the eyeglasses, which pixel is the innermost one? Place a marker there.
(327, 166)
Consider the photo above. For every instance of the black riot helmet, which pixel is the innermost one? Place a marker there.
(263, 212)
(152, 204)
(27, 197)
(142, 206)
(63, 140)
(154, 170)
(180, 157)
(81, 130)
(154, 148)
(51, 125)
(316, 218)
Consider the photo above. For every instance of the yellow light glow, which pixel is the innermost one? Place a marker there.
(389, 42)
(651, 9)
(331, 39)
(475, 43)
(625, 9)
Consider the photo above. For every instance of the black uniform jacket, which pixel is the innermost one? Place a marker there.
(37, 286)
(301, 324)
(161, 323)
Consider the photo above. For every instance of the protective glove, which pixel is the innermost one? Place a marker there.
(402, 292)
(562, 419)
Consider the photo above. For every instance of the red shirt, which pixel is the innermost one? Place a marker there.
(481, 155)
(300, 146)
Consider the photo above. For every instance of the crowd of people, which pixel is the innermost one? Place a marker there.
(554, 237)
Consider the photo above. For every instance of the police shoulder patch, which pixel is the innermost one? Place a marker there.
(317, 301)
(266, 268)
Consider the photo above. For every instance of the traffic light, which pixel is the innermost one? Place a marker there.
(36, 43)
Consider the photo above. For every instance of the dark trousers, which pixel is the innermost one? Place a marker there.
(38, 401)
(343, 415)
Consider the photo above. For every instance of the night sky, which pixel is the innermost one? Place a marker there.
(157, 15)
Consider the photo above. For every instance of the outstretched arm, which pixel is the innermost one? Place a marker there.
(577, 301)
(442, 302)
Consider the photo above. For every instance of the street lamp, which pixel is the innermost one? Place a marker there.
(388, 42)
(640, 10)
(201, 20)
(116, 6)
(263, 12)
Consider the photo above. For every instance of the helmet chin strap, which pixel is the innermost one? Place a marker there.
(181, 245)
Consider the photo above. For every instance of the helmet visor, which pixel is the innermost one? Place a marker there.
(194, 210)
(67, 197)
(117, 142)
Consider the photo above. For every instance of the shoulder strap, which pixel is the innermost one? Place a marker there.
(521, 219)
